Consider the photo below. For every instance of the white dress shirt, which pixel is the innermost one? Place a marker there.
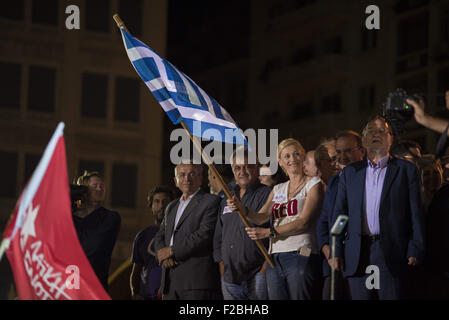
(182, 205)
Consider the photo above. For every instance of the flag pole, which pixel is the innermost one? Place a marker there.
(211, 166)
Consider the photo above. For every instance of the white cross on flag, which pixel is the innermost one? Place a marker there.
(40, 238)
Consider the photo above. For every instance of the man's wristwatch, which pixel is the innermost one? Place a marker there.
(273, 232)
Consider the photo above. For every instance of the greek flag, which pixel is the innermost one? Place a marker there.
(180, 97)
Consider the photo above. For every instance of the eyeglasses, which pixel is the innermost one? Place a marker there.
(191, 175)
(349, 150)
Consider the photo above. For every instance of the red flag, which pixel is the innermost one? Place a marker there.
(44, 251)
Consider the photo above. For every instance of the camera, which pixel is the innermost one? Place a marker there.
(397, 111)
(339, 225)
(77, 194)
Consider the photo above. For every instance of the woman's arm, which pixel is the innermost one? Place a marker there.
(310, 212)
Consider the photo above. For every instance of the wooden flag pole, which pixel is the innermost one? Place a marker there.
(211, 166)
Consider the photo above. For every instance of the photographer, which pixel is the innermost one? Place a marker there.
(97, 227)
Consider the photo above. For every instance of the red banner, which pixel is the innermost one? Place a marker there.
(44, 252)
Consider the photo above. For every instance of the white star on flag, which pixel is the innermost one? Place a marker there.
(28, 227)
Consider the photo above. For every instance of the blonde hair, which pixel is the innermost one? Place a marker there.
(83, 180)
(288, 142)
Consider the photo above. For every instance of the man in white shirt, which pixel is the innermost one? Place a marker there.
(184, 243)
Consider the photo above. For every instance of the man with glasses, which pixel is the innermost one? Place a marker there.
(348, 149)
(242, 265)
(184, 241)
(384, 234)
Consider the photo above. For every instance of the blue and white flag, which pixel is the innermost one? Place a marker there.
(180, 97)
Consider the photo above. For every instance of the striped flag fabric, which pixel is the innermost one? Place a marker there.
(180, 97)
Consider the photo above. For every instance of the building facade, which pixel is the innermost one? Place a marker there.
(84, 78)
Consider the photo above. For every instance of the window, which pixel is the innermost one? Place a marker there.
(302, 110)
(334, 45)
(124, 185)
(98, 15)
(127, 99)
(94, 95)
(303, 55)
(271, 118)
(236, 96)
(411, 63)
(131, 13)
(413, 34)
(10, 82)
(41, 89)
(367, 97)
(8, 162)
(331, 103)
(90, 166)
(286, 6)
(45, 12)
(13, 10)
(406, 5)
(31, 162)
(415, 84)
(270, 66)
(369, 39)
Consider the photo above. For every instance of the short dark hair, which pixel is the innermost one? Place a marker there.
(350, 133)
(156, 190)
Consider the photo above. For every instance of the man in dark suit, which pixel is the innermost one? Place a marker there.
(384, 237)
(184, 243)
(349, 149)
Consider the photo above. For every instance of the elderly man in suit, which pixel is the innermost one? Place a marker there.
(184, 243)
(381, 196)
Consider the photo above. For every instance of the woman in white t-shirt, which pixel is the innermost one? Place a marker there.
(293, 207)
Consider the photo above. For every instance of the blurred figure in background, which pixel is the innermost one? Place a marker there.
(329, 144)
(225, 171)
(445, 166)
(325, 165)
(407, 150)
(146, 273)
(309, 166)
(267, 178)
(97, 227)
(431, 175)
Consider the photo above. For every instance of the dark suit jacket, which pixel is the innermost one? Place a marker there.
(192, 244)
(325, 221)
(400, 215)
